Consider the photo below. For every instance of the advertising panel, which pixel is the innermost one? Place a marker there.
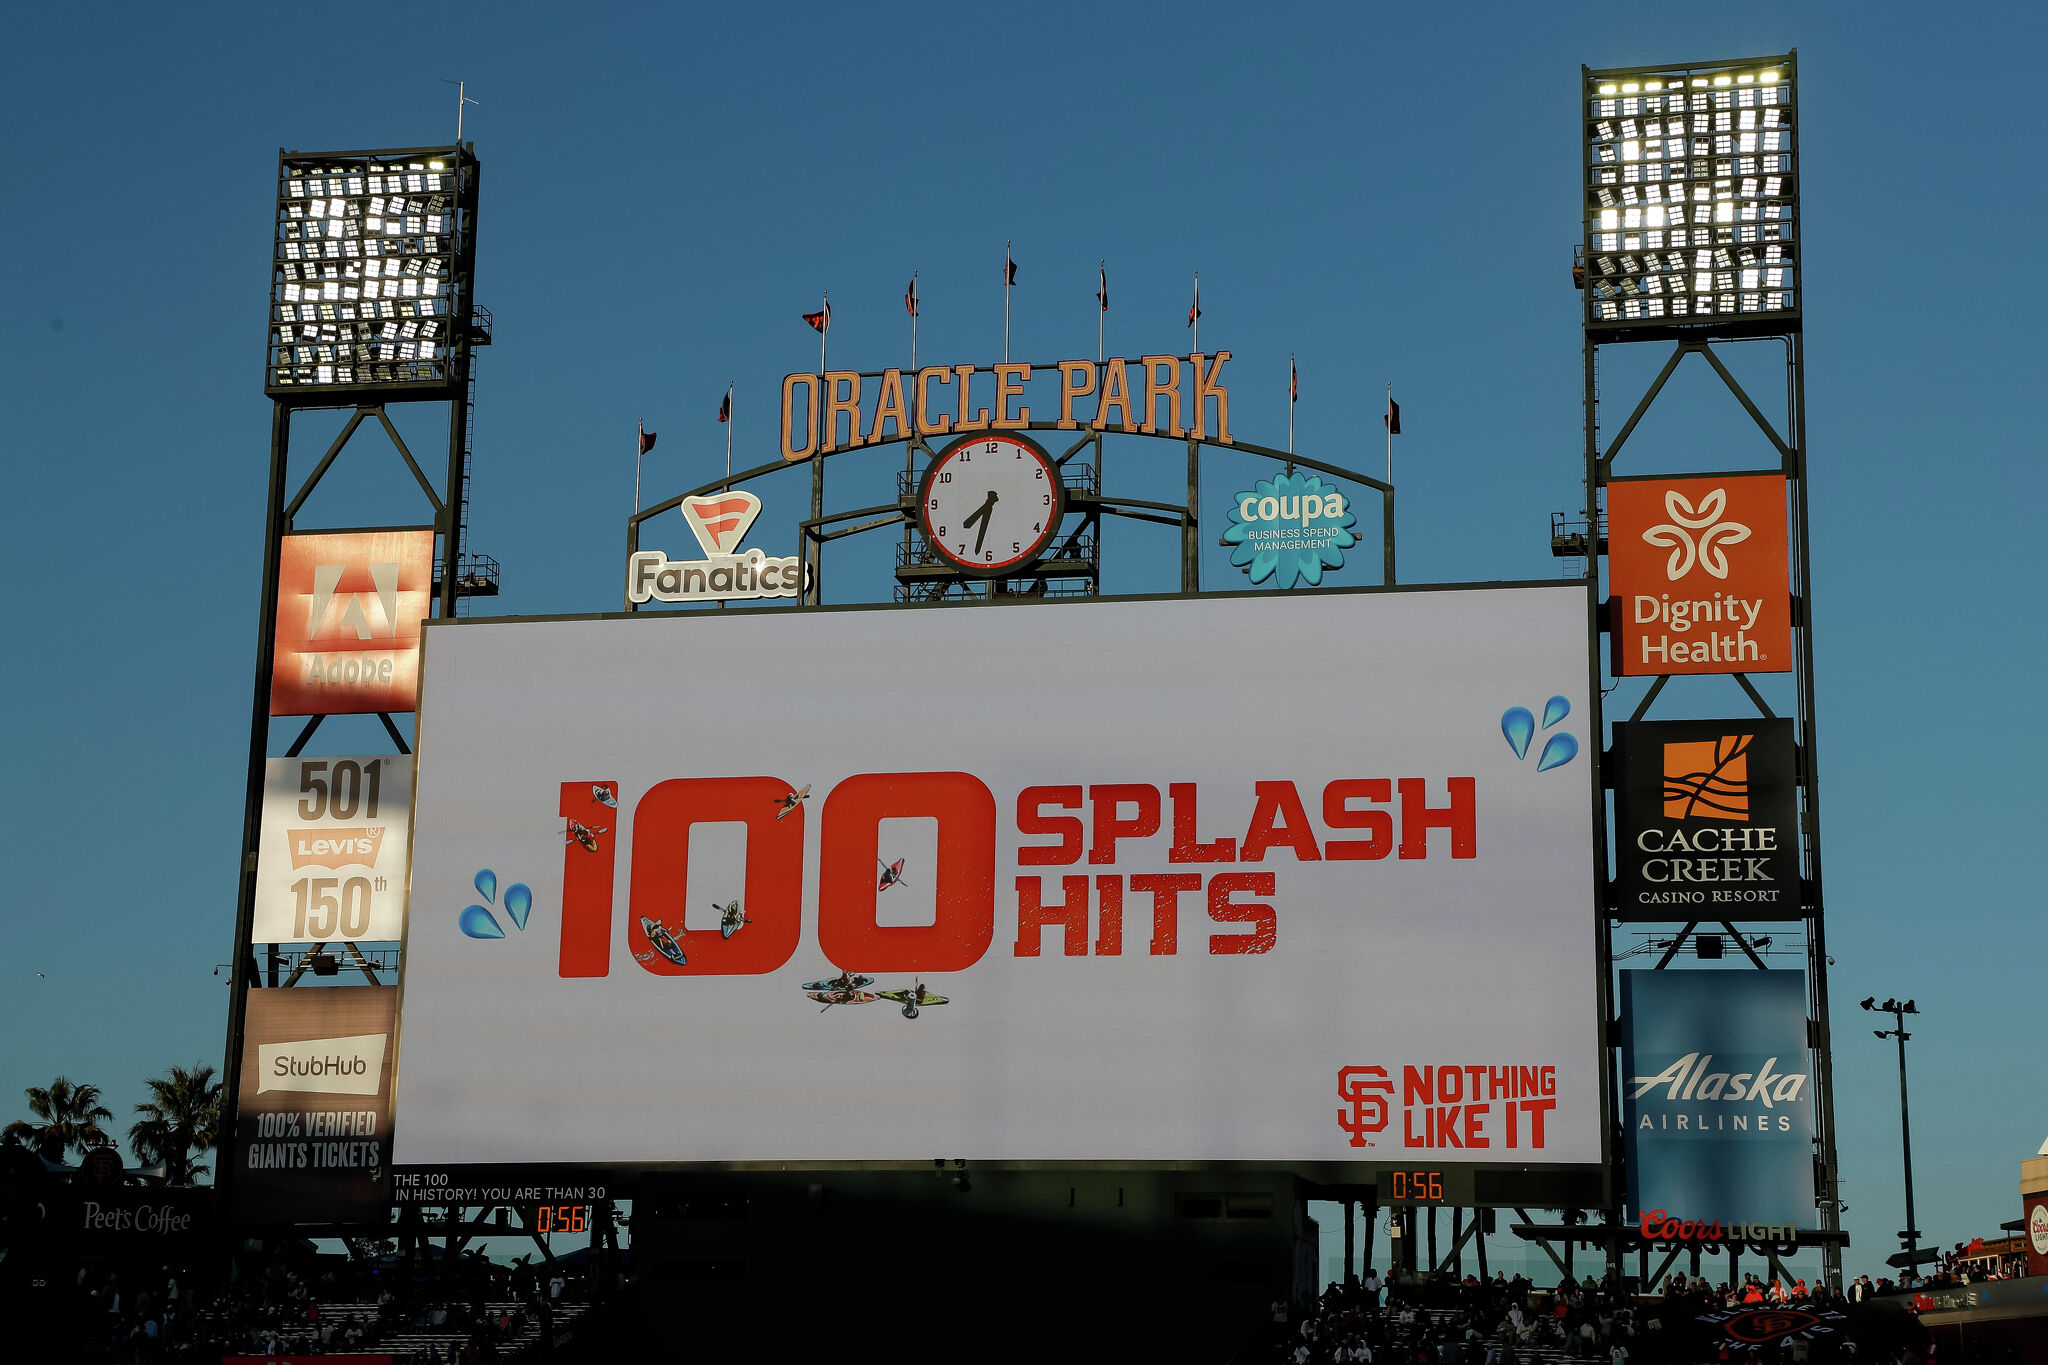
(1020, 882)
(313, 1123)
(1718, 1097)
(1699, 575)
(331, 862)
(349, 606)
(1706, 816)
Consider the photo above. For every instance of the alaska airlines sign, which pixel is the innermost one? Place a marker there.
(836, 411)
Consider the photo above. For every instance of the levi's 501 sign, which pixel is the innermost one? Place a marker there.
(1029, 882)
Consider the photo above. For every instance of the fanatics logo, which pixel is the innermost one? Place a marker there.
(721, 522)
(1707, 779)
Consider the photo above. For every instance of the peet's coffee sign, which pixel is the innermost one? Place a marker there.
(124, 1221)
(1706, 820)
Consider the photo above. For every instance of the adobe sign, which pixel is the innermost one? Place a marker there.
(1699, 575)
(349, 606)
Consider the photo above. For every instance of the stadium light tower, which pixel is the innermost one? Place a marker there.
(1690, 234)
(1692, 197)
(373, 257)
(370, 286)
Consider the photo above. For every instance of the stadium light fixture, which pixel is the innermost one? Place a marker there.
(369, 273)
(1692, 198)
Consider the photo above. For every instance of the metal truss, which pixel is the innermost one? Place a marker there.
(1786, 440)
(1072, 568)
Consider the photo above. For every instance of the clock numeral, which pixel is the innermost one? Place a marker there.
(989, 556)
(933, 504)
(1045, 499)
(966, 456)
(1015, 548)
(942, 533)
(992, 450)
(1037, 526)
(945, 476)
(1038, 471)
(960, 547)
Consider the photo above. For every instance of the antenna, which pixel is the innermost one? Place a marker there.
(461, 98)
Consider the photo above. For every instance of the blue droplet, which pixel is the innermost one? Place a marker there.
(1519, 726)
(477, 923)
(1555, 710)
(487, 884)
(518, 903)
(1561, 750)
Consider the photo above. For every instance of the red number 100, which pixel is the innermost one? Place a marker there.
(963, 877)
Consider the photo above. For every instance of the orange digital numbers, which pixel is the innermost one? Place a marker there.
(1418, 1186)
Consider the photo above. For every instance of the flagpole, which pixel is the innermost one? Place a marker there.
(639, 455)
(1387, 529)
(728, 435)
(1290, 402)
(913, 324)
(1006, 307)
(1102, 308)
(1197, 322)
(814, 552)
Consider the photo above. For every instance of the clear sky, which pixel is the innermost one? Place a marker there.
(1388, 191)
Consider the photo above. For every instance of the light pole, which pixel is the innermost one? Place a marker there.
(1898, 1012)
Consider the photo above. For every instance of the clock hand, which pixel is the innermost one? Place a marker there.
(980, 514)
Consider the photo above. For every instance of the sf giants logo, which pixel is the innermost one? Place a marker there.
(1364, 1089)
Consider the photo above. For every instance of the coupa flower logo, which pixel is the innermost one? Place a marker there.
(1290, 527)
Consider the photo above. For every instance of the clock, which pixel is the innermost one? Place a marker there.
(991, 503)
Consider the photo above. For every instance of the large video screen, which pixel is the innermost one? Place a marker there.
(1289, 879)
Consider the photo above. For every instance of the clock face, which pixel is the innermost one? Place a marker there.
(991, 504)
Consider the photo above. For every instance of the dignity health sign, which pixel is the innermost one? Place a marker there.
(1717, 1092)
(1030, 882)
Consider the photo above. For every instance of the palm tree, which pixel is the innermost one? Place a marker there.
(180, 1119)
(70, 1115)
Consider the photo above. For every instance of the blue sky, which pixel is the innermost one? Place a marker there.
(1390, 192)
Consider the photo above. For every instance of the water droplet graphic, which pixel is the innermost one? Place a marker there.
(1555, 710)
(1519, 726)
(518, 903)
(1561, 750)
(477, 923)
(487, 884)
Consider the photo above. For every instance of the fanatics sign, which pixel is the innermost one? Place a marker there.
(1699, 575)
(1707, 820)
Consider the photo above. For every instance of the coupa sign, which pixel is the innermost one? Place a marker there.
(1289, 529)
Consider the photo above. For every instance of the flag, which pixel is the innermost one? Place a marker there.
(725, 407)
(821, 319)
(910, 297)
(1009, 268)
(1392, 417)
(1102, 294)
(646, 441)
(1195, 308)
(1293, 382)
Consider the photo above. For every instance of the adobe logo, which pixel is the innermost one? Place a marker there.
(349, 607)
